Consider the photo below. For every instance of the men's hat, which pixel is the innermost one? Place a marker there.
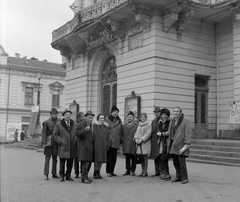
(157, 109)
(89, 112)
(165, 111)
(65, 111)
(54, 111)
(114, 108)
(130, 113)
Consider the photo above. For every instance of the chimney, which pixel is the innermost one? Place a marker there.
(17, 55)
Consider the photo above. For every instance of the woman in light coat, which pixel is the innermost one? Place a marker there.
(143, 142)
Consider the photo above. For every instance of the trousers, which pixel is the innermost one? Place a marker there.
(62, 167)
(130, 162)
(54, 164)
(111, 160)
(180, 165)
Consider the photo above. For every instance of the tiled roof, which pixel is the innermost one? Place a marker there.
(34, 64)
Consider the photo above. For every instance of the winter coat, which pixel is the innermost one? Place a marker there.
(144, 132)
(65, 139)
(128, 133)
(47, 132)
(84, 141)
(154, 138)
(100, 139)
(163, 139)
(183, 133)
(15, 135)
(115, 131)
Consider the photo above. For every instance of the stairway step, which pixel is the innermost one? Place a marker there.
(215, 148)
(212, 162)
(216, 142)
(216, 158)
(215, 153)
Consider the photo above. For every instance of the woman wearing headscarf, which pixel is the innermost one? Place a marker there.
(143, 142)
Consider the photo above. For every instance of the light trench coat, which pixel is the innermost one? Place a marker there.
(144, 132)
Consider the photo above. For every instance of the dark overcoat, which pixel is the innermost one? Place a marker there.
(115, 131)
(154, 138)
(100, 139)
(128, 132)
(182, 136)
(65, 139)
(84, 141)
(47, 131)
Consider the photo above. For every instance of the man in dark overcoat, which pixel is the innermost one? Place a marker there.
(180, 132)
(115, 125)
(154, 141)
(50, 146)
(64, 135)
(84, 133)
(129, 147)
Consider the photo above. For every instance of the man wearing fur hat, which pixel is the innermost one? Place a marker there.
(50, 146)
(129, 147)
(63, 134)
(84, 133)
(154, 141)
(115, 125)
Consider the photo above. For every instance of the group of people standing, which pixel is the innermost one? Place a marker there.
(82, 142)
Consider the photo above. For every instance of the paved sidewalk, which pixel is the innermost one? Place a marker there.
(22, 181)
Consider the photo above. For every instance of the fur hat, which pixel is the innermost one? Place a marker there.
(54, 111)
(114, 108)
(89, 112)
(65, 111)
(157, 109)
(165, 111)
(130, 113)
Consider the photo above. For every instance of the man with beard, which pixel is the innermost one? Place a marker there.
(63, 134)
(154, 141)
(84, 133)
(50, 146)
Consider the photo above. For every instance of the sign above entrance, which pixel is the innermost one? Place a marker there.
(90, 37)
(234, 112)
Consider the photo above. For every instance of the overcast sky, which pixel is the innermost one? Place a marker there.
(26, 26)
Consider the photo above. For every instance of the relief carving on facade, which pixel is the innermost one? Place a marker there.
(66, 52)
(116, 27)
(236, 10)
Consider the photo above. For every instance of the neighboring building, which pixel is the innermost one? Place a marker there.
(171, 53)
(18, 89)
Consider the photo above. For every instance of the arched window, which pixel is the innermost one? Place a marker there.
(109, 85)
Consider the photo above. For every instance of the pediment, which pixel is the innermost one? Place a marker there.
(56, 85)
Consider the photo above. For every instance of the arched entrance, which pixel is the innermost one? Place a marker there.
(109, 85)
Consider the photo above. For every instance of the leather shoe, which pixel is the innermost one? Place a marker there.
(126, 173)
(86, 181)
(144, 175)
(69, 179)
(109, 175)
(184, 181)
(55, 176)
(177, 180)
(133, 174)
(155, 175)
(76, 176)
(114, 175)
(46, 177)
(61, 179)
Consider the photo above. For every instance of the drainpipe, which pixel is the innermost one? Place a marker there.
(217, 67)
(8, 96)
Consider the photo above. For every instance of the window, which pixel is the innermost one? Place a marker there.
(28, 96)
(55, 98)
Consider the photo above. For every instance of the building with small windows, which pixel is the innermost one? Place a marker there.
(168, 53)
(20, 79)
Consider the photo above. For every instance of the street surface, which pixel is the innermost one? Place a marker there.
(22, 181)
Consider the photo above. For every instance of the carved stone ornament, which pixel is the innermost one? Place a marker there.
(236, 10)
(170, 16)
(142, 15)
(116, 27)
(66, 53)
(136, 28)
(184, 19)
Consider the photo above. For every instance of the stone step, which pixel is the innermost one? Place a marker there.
(215, 153)
(212, 162)
(215, 148)
(215, 142)
(20, 146)
(215, 158)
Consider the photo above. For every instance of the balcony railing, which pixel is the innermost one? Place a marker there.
(209, 2)
(88, 13)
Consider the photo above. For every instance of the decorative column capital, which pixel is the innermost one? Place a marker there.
(236, 11)
(116, 27)
(142, 15)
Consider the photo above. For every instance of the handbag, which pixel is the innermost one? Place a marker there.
(139, 157)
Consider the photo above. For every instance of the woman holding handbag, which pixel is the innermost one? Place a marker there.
(141, 138)
(162, 143)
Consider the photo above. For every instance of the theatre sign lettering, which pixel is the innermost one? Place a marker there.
(89, 38)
